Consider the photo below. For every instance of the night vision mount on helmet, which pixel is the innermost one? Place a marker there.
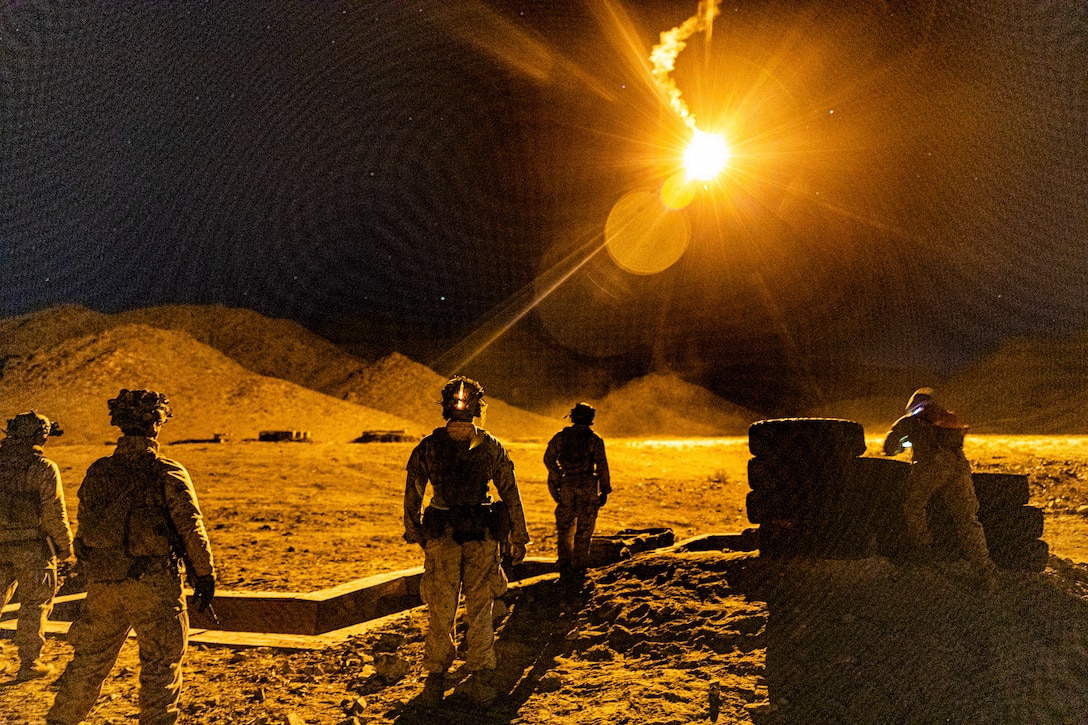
(29, 425)
(139, 409)
(583, 414)
(462, 399)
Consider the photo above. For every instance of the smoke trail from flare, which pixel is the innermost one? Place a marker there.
(663, 55)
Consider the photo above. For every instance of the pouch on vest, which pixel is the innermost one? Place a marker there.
(576, 452)
(127, 514)
(466, 523)
(470, 523)
(434, 523)
(20, 510)
(110, 564)
(460, 472)
(501, 525)
(20, 506)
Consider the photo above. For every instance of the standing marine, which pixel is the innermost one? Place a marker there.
(138, 518)
(34, 532)
(460, 532)
(939, 469)
(579, 484)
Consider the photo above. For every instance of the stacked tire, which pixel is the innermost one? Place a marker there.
(814, 494)
(881, 483)
(803, 493)
(1013, 529)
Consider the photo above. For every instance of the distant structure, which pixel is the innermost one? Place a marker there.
(291, 436)
(216, 438)
(386, 436)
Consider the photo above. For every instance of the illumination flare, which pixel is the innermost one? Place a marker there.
(706, 156)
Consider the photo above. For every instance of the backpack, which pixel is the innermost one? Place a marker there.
(576, 451)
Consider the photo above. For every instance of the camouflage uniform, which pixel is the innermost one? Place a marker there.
(461, 551)
(578, 481)
(34, 530)
(138, 513)
(938, 468)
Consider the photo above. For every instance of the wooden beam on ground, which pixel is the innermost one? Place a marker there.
(287, 614)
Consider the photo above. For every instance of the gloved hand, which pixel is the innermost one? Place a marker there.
(517, 553)
(203, 591)
(553, 486)
(79, 549)
(602, 500)
(414, 536)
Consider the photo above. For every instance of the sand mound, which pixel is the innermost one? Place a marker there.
(25, 334)
(876, 413)
(1027, 386)
(679, 638)
(267, 346)
(396, 383)
(665, 405)
(401, 388)
(209, 392)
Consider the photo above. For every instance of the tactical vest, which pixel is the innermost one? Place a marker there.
(460, 471)
(123, 507)
(576, 451)
(20, 502)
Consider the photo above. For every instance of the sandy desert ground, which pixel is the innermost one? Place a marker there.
(660, 638)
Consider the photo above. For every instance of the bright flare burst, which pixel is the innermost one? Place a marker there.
(706, 156)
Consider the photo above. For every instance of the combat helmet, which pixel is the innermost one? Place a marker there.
(462, 399)
(582, 414)
(920, 396)
(139, 409)
(31, 425)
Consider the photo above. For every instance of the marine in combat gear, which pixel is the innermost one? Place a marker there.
(460, 531)
(579, 483)
(939, 469)
(34, 532)
(138, 518)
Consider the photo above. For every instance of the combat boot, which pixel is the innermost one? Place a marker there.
(481, 688)
(434, 688)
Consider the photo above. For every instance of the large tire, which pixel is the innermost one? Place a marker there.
(771, 474)
(881, 483)
(769, 506)
(798, 438)
(1000, 491)
(807, 476)
(1012, 526)
(782, 541)
(1030, 556)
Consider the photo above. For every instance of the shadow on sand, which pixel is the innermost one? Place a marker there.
(864, 641)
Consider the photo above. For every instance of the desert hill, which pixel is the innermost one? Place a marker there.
(664, 403)
(210, 393)
(398, 383)
(402, 389)
(394, 384)
(1027, 386)
(267, 346)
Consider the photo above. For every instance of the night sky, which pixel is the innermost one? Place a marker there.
(908, 181)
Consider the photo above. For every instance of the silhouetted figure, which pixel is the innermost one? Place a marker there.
(459, 532)
(579, 484)
(34, 531)
(939, 468)
(138, 519)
